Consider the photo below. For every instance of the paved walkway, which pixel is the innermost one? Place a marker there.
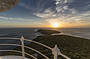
(11, 57)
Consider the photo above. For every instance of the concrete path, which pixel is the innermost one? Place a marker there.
(11, 57)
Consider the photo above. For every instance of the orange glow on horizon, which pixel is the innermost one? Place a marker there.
(55, 25)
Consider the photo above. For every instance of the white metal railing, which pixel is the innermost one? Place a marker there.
(19, 52)
(55, 50)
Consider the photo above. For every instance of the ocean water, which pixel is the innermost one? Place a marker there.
(15, 32)
(30, 32)
(77, 32)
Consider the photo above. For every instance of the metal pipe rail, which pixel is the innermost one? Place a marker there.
(19, 52)
(6, 38)
(26, 47)
(55, 50)
(29, 41)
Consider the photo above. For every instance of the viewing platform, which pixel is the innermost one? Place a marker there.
(11, 57)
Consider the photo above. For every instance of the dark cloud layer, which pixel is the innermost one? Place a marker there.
(42, 5)
(80, 5)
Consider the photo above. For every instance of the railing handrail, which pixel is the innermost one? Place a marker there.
(26, 47)
(29, 41)
(55, 50)
(7, 38)
(19, 52)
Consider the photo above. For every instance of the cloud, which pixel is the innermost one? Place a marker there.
(60, 5)
(80, 18)
(62, 12)
(25, 6)
(11, 19)
(60, 9)
(46, 14)
(70, 11)
(3, 17)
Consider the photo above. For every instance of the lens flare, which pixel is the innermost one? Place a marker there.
(55, 25)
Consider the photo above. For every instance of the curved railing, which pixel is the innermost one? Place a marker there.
(55, 50)
(18, 52)
(25, 47)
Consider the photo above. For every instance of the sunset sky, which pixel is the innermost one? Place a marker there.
(44, 13)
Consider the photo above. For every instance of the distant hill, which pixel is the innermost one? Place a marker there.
(47, 32)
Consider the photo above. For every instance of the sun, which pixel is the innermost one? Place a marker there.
(55, 25)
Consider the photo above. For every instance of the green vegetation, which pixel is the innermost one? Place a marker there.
(47, 32)
(74, 47)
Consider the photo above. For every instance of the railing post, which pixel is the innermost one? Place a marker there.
(22, 42)
(56, 52)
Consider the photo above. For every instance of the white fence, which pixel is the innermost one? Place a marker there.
(55, 50)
